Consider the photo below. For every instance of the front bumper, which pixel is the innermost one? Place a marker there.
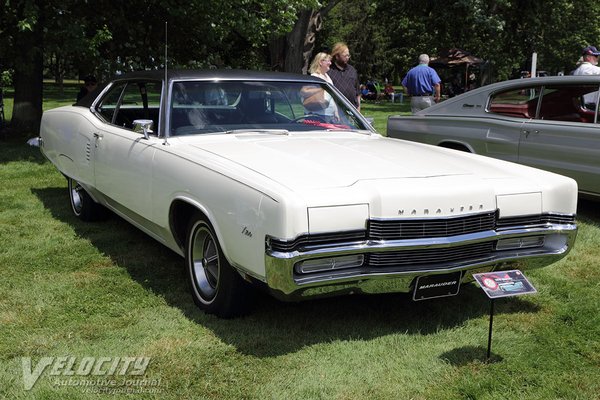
(393, 265)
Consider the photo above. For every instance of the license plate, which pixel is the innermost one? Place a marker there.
(441, 285)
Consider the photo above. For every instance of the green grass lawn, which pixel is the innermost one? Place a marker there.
(74, 289)
(380, 112)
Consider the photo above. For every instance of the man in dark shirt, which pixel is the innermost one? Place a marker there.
(89, 84)
(344, 75)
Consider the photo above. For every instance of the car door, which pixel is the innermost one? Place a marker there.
(508, 112)
(124, 158)
(565, 135)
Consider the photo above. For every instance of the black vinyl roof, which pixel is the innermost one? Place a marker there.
(226, 74)
(191, 74)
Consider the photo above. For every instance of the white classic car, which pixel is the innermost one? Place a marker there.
(276, 180)
(549, 123)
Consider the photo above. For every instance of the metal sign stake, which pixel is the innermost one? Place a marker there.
(497, 284)
(489, 347)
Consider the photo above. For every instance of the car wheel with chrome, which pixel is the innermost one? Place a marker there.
(216, 286)
(82, 204)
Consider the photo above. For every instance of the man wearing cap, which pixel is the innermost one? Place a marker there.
(590, 60)
(420, 83)
(589, 67)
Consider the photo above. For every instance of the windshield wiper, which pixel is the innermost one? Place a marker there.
(361, 131)
(269, 131)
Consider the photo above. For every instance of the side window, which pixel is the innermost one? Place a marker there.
(153, 89)
(519, 103)
(573, 103)
(109, 103)
(132, 96)
(126, 102)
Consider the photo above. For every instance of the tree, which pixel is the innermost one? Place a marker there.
(20, 37)
(292, 52)
(106, 37)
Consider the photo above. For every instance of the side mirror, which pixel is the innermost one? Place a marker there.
(143, 126)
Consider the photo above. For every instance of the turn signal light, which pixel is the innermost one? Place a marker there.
(520, 243)
(331, 263)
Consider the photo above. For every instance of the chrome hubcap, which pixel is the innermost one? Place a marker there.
(205, 263)
(76, 200)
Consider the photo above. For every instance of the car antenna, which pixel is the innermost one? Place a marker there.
(165, 97)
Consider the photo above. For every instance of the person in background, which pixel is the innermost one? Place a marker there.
(389, 91)
(420, 83)
(589, 66)
(366, 93)
(344, 75)
(589, 63)
(320, 66)
(327, 109)
(89, 84)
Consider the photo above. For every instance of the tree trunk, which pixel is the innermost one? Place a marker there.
(300, 42)
(294, 51)
(28, 79)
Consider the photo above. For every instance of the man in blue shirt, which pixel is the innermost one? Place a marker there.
(420, 83)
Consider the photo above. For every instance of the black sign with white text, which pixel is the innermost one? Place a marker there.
(441, 285)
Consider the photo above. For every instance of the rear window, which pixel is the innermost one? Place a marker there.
(571, 103)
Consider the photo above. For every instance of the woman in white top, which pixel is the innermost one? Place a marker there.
(319, 67)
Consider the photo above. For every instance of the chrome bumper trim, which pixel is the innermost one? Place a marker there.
(280, 275)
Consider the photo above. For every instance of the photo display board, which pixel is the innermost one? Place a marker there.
(504, 283)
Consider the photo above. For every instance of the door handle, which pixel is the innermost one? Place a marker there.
(527, 132)
(98, 135)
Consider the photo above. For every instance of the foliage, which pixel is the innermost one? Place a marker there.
(106, 36)
(6, 78)
(386, 36)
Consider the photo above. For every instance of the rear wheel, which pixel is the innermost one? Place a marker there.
(83, 206)
(216, 286)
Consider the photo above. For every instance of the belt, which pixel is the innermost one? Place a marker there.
(422, 95)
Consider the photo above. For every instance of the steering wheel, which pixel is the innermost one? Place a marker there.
(318, 117)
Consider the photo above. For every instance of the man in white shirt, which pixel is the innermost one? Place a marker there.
(589, 67)
(590, 61)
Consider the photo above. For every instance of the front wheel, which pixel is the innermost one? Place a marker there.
(216, 287)
(82, 204)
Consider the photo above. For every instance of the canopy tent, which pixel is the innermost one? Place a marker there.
(451, 58)
(455, 57)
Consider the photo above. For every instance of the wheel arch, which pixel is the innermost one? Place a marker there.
(456, 145)
(180, 213)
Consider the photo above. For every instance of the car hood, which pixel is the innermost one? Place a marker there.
(341, 159)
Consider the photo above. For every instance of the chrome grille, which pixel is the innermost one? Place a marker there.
(530, 221)
(321, 240)
(407, 228)
(431, 259)
(430, 228)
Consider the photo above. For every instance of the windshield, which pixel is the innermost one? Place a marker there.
(199, 107)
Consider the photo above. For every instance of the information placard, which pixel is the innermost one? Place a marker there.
(504, 283)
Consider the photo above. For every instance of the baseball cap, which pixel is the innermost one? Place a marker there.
(591, 51)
